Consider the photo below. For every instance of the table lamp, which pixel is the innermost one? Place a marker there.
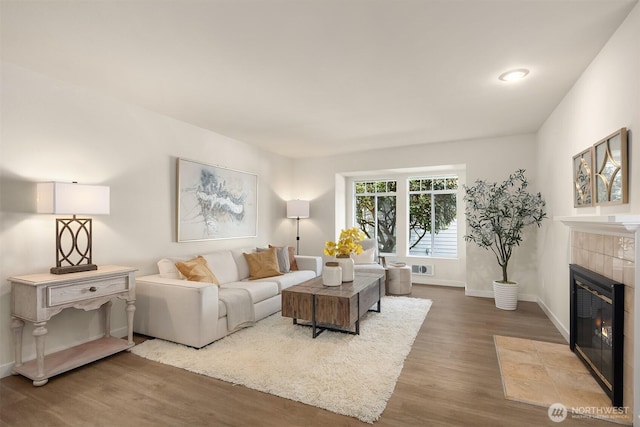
(73, 235)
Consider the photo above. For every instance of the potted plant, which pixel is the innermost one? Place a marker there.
(343, 248)
(496, 216)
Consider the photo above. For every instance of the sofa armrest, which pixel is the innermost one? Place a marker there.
(308, 262)
(176, 310)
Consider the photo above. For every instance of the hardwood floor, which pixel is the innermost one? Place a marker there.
(450, 378)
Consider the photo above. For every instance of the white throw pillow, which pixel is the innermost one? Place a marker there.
(167, 269)
(366, 257)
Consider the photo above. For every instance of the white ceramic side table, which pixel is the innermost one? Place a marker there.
(36, 298)
(399, 280)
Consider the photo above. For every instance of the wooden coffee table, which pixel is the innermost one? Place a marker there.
(336, 308)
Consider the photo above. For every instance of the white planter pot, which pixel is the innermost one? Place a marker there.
(332, 274)
(346, 263)
(505, 295)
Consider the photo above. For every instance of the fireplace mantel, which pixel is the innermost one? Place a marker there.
(626, 226)
(626, 223)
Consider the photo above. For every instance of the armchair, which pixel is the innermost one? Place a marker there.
(369, 259)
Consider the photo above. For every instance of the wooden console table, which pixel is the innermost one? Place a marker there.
(36, 298)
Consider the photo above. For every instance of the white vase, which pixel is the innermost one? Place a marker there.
(346, 263)
(505, 295)
(332, 274)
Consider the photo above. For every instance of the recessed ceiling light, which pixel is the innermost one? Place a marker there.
(513, 75)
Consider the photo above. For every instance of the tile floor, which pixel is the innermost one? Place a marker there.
(544, 373)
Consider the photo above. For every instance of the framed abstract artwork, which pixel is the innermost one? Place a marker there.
(610, 169)
(583, 179)
(215, 202)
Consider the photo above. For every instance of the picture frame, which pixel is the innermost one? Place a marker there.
(214, 202)
(583, 178)
(610, 169)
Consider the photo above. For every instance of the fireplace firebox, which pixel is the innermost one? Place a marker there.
(597, 327)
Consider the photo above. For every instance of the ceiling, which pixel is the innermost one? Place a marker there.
(307, 78)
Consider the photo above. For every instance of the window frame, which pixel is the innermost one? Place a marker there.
(375, 194)
(345, 207)
(433, 193)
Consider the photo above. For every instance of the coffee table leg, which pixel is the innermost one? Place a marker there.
(313, 315)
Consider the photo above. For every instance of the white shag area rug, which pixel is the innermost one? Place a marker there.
(352, 375)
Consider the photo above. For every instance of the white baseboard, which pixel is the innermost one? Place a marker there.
(564, 332)
(489, 294)
(425, 280)
(530, 298)
(5, 370)
(477, 293)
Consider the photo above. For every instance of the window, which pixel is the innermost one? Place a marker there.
(432, 227)
(418, 212)
(375, 212)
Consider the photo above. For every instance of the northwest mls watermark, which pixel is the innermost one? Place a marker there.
(558, 412)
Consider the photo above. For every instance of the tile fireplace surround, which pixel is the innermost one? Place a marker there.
(607, 245)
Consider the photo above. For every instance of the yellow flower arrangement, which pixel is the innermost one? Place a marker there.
(346, 244)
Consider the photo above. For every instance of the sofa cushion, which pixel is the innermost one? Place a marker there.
(197, 270)
(282, 253)
(241, 263)
(290, 279)
(259, 290)
(372, 268)
(262, 264)
(222, 264)
(222, 309)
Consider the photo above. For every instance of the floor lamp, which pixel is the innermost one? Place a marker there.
(298, 209)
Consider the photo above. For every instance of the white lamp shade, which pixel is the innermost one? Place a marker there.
(298, 209)
(72, 199)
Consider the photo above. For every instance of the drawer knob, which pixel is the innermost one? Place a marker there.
(93, 289)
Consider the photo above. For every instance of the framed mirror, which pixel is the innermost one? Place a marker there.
(582, 179)
(610, 169)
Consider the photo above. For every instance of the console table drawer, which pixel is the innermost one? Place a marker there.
(57, 295)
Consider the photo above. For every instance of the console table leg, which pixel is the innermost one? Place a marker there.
(17, 325)
(131, 308)
(106, 309)
(39, 333)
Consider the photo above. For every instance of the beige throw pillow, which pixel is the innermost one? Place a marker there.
(262, 264)
(197, 270)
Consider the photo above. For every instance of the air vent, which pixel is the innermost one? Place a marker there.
(426, 270)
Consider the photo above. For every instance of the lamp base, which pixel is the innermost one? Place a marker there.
(73, 269)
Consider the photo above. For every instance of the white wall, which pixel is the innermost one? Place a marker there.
(492, 159)
(55, 131)
(605, 99)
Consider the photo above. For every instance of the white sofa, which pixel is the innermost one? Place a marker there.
(198, 313)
